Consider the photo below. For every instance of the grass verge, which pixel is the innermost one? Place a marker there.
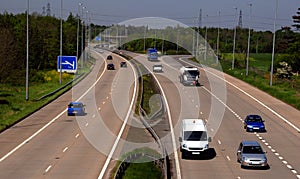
(14, 106)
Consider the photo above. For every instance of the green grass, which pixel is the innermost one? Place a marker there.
(142, 170)
(287, 90)
(142, 167)
(13, 104)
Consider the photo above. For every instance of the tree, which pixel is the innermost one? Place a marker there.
(296, 19)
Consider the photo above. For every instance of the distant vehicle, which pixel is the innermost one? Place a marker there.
(157, 68)
(110, 66)
(250, 154)
(193, 137)
(152, 54)
(123, 64)
(109, 57)
(76, 108)
(254, 123)
(189, 76)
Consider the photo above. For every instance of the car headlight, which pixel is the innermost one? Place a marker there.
(206, 146)
(250, 126)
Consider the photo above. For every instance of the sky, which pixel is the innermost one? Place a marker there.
(223, 13)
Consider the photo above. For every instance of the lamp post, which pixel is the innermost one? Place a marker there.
(273, 50)
(248, 49)
(78, 16)
(234, 39)
(60, 54)
(27, 52)
(218, 38)
(82, 50)
(205, 55)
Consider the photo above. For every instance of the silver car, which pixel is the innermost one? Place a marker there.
(250, 154)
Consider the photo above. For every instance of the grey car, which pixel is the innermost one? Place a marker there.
(251, 154)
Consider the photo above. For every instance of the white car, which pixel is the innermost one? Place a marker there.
(157, 68)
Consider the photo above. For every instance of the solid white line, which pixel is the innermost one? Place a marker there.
(65, 149)
(247, 94)
(49, 123)
(48, 168)
(177, 166)
(122, 128)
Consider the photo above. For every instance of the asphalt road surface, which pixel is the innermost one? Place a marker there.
(224, 102)
(50, 144)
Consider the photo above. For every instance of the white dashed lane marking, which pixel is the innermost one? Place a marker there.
(77, 135)
(48, 168)
(65, 149)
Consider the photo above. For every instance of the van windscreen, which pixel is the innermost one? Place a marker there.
(195, 136)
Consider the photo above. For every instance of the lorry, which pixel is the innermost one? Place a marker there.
(189, 76)
(152, 54)
(193, 138)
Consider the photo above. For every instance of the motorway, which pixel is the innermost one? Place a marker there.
(224, 102)
(50, 144)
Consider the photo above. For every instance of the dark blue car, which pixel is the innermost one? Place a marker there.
(76, 108)
(254, 123)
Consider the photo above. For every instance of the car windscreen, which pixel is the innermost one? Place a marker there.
(254, 119)
(75, 105)
(252, 150)
(195, 136)
(192, 73)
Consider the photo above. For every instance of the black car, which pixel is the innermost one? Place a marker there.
(110, 66)
(109, 57)
(123, 64)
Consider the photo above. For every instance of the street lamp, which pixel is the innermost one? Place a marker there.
(27, 53)
(82, 38)
(78, 16)
(248, 49)
(273, 50)
(234, 38)
(218, 38)
(60, 55)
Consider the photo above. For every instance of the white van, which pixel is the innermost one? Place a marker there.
(193, 137)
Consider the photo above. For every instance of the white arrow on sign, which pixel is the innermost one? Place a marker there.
(68, 63)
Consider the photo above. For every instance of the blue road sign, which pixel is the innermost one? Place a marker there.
(68, 64)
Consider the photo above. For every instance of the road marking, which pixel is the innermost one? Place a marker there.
(201, 112)
(99, 108)
(294, 171)
(258, 101)
(219, 142)
(48, 168)
(103, 102)
(261, 103)
(50, 122)
(122, 127)
(289, 166)
(177, 165)
(94, 116)
(77, 135)
(280, 158)
(228, 158)
(298, 176)
(65, 149)
(86, 124)
(106, 97)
